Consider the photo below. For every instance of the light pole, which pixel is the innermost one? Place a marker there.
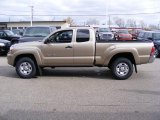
(31, 6)
(31, 15)
(108, 16)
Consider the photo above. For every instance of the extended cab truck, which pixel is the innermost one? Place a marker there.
(78, 47)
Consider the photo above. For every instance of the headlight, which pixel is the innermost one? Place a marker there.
(11, 51)
(100, 34)
(2, 44)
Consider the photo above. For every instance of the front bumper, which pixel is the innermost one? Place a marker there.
(4, 50)
(10, 59)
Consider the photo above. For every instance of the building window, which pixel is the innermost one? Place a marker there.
(14, 28)
(20, 27)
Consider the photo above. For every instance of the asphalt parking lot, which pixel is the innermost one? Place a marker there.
(80, 94)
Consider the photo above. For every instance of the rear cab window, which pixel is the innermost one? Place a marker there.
(83, 35)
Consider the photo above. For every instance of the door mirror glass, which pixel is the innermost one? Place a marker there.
(47, 41)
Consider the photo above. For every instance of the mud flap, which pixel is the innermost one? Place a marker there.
(135, 68)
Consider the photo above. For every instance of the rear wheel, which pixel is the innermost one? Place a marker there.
(122, 68)
(26, 68)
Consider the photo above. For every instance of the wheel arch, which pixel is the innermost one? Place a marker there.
(127, 55)
(24, 55)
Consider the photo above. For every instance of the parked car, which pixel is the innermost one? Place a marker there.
(8, 35)
(35, 33)
(78, 47)
(4, 46)
(154, 36)
(135, 33)
(18, 31)
(124, 35)
(105, 34)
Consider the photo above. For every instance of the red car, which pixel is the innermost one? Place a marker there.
(124, 35)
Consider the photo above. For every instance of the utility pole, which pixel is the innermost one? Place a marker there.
(109, 17)
(106, 14)
(31, 14)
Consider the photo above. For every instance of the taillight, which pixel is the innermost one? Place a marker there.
(152, 51)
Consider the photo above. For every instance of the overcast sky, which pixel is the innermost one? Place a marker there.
(80, 7)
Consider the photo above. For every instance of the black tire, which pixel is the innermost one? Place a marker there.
(30, 68)
(156, 53)
(126, 64)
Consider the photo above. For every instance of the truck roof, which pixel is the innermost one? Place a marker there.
(76, 28)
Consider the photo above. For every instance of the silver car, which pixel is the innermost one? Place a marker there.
(105, 34)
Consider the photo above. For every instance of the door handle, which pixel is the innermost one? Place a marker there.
(68, 47)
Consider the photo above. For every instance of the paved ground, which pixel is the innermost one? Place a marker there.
(80, 94)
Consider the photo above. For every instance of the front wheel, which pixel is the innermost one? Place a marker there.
(26, 68)
(122, 68)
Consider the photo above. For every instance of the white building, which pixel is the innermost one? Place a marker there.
(24, 24)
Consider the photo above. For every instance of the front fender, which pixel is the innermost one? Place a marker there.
(34, 52)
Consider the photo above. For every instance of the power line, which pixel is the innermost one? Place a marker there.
(85, 15)
(82, 14)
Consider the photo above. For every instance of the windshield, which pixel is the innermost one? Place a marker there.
(156, 36)
(37, 32)
(141, 34)
(123, 31)
(104, 30)
(16, 32)
(8, 32)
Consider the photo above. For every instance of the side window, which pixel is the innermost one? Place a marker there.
(61, 37)
(1, 34)
(141, 34)
(146, 35)
(149, 35)
(82, 35)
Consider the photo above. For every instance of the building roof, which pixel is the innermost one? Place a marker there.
(63, 21)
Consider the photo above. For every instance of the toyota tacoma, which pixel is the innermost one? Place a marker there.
(78, 47)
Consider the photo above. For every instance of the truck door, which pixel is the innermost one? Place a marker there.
(58, 50)
(84, 47)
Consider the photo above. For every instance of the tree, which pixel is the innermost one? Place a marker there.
(143, 24)
(92, 21)
(153, 27)
(131, 23)
(70, 21)
(119, 21)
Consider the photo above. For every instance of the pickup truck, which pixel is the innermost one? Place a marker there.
(78, 47)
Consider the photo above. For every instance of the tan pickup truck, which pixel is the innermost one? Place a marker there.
(79, 47)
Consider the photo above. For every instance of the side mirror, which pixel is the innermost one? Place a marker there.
(150, 38)
(21, 33)
(47, 41)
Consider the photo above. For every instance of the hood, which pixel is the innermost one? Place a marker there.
(125, 35)
(27, 44)
(4, 41)
(106, 33)
(30, 39)
(157, 42)
(15, 36)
